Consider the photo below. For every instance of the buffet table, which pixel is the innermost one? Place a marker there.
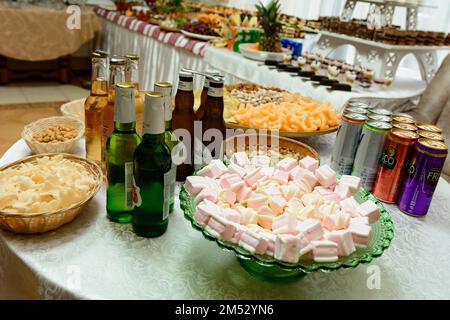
(164, 53)
(93, 258)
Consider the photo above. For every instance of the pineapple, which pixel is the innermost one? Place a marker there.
(268, 17)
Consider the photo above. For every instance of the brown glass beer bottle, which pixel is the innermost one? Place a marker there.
(213, 117)
(183, 117)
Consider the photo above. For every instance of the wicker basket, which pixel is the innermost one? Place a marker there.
(74, 109)
(57, 147)
(43, 222)
(286, 147)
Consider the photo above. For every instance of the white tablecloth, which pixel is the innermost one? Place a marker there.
(95, 258)
(161, 61)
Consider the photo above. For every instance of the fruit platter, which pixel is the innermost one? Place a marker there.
(285, 218)
(250, 106)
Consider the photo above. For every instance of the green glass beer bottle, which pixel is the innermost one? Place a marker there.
(152, 166)
(165, 88)
(120, 148)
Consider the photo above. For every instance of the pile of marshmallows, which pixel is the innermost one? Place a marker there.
(293, 209)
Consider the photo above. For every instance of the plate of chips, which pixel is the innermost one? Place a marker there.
(42, 192)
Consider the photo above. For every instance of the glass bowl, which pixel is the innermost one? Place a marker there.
(267, 268)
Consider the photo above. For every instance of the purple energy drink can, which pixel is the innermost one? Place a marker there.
(422, 176)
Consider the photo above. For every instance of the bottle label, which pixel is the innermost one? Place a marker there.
(185, 86)
(129, 181)
(215, 92)
(173, 179)
(167, 184)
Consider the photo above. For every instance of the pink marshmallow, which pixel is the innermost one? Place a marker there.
(343, 191)
(311, 229)
(284, 224)
(209, 193)
(234, 168)
(270, 238)
(195, 184)
(220, 228)
(305, 244)
(336, 222)
(240, 159)
(360, 234)
(344, 241)
(272, 191)
(287, 164)
(248, 216)
(253, 242)
(244, 194)
(257, 201)
(231, 181)
(359, 220)
(240, 229)
(260, 161)
(277, 204)
(204, 210)
(303, 174)
(253, 177)
(287, 248)
(325, 251)
(231, 215)
(265, 221)
(267, 172)
(350, 205)
(281, 176)
(353, 182)
(370, 210)
(214, 169)
(229, 196)
(309, 163)
(326, 176)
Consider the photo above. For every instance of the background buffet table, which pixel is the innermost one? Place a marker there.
(97, 259)
(164, 53)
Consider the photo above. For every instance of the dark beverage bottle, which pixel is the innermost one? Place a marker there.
(165, 88)
(120, 148)
(201, 109)
(183, 117)
(213, 118)
(152, 164)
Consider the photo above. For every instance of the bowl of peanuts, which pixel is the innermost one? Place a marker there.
(53, 135)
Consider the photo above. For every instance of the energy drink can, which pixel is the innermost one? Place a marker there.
(369, 151)
(383, 112)
(404, 126)
(379, 117)
(347, 139)
(403, 119)
(431, 135)
(422, 177)
(396, 153)
(358, 110)
(429, 127)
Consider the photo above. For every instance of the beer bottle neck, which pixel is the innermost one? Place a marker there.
(99, 83)
(116, 75)
(153, 138)
(125, 127)
(168, 125)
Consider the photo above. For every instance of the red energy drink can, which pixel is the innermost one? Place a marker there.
(391, 170)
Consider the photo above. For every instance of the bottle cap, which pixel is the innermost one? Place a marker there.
(124, 109)
(153, 113)
(186, 74)
(132, 56)
(117, 60)
(99, 54)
